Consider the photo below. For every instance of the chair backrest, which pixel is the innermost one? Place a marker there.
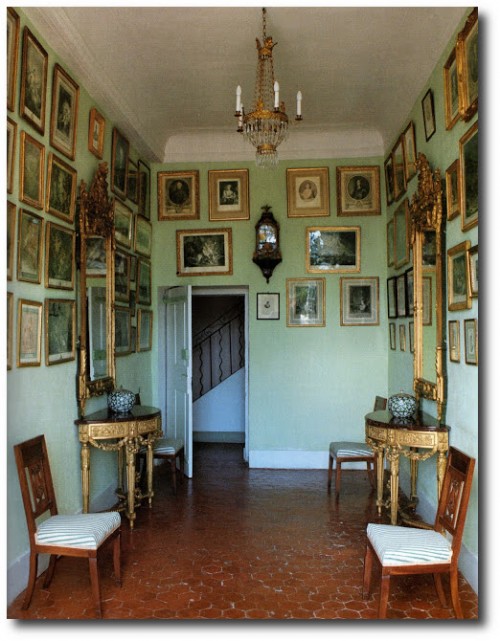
(380, 403)
(454, 498)
(35, 479)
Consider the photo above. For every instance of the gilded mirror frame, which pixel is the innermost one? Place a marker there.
(96, 219)
(426, 214)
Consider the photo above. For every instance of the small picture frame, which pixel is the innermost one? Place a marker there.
(143, 236)
(392, 297)
(61, 189)
(122, 277)
(11, 153)
(458, 277)
(358, 191)
(178, 195)
(471, 341)
(29, 247)
(402, 338)
(59, 257)
(228, 194)
(144, 330)
(31, 171)
(429, 115)
(469, 177)
(34, 66)
(132, 182)
(268, 306)
(390, 243)
(402, 296)
(29, 333)
(13, 23)
(124, 223)
(119, 164)
(473, 256)
(401, 228)
(454, 340)
(411, 336)
(123, 324)
(389, 179)
(392, 336)
(308, 192)
(410, 152)
(143, 282)
(451, 100)
(144, 184)
(305, 302)
(11, 238)
(64, 113)
(97, 129)
(333, 250)
(95, 252)
(398, 163)
(10, 328)
(204, 252)
(468, 66)
(359, 301)
(453, 199)
(60, 330)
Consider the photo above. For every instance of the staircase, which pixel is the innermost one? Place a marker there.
(218, 351)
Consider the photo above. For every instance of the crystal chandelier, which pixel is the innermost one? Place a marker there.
(266, 126)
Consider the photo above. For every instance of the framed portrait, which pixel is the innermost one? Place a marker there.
(123, 324)
(410, 152)
(228, 194)
(469, 177)
(143, 292)
(29, 333)
(398, 163)
(144, 189)
(122, 277)
(389, 179)
(402, 338)
(392, 298)
(132, 184)
(61, 189)
(392, 336)
(268, 306)
(458, 277)
(390, 243)
(470, 336)
(60, 324)
(119, 164)
(97, 129)
(305, 302)
(31, 171)
(29, 247)
(11, 153)
(401, 296)
(468, 66)
(410, 282)
(427, 305)
(411, 335)
(64, 113)
(453, 200)
(428, 114)
(178, 195)
(59, 257)
(10, 327)
(12, 56)
(143, 236)
(124, 223)
(33, 81)
(429, 250)
(333, 250)
(95, 256)
(401, 229)
(11, 238)
(308, 192)
(358, 191)
(473, 256)
(454, 340)
(359, 301)
(204, 252)
(451, 95)
(144, 330)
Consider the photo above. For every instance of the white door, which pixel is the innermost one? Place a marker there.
(179, 408)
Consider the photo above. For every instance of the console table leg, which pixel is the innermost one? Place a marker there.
(380, 480)
(130, 462)
(85, 463)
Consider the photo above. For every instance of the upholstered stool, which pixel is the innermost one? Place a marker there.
(170, 449)
(349, 452)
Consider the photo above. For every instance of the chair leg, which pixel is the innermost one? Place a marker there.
(181, 466)
(31, 580)
(338, 472)
(455, 599)
(330, 472)
(438, 583)
(117, 551)
(371, 473)
(50, 570)
(367, 572)
(94, 582)
(173, 469)
(384, 595)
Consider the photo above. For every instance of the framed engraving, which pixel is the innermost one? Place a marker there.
(469, 177)
(358, 191)
(123, 324)
(409, 152)
(144, 330)
(144, 184)
(124, 223)
(132, 183)
(60, 330)
(428, 114)
(33, 81)
(64, 114)
(122, 277)
(305, 302)
(307, 192)
(454, 340)
(451, 100)
(178, 195)
(333, 249)
(97, 129)
(119, 164)
(359, 301)
(143, 282)
(12, 56)
(204, 252)
(29, 333)
(11, 153)
(398, 161)
(143, 236)
(29, 247)
(31, 171)
(473, 256)
(10, 328)
(59, 257)
(392, 297)
(61, 189)
(389, 179)
(268, 306)
(470, 337)
(401, 229)
(453, 199)
(458, 277)
(11, 238)
(392, 336)
(228, 194)
(468, 66)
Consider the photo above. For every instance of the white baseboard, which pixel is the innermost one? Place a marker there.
(294, 460)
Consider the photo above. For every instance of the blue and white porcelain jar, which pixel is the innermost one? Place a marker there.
(402, 405)
(121, 401)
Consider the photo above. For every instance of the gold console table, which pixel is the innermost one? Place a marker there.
(117, 433)
(417, 438)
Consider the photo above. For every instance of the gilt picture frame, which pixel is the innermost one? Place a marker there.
(32, 105)
(119, 163)
(61, 189)
(473, 259)
(305, 302)
(204, 252)
(468, 66)
(409, 152)
(10, 329)
(389, 179)
(358, 191)
(143, 291)
(29, 247)
(124, 223)
(178, 195)
(13, 25)
(59, 256)
(132, 182)
(471, 341)
(453, 199)
(11, 238)
(359, 301)
(64, 112)
(451, 91)
(60, 330)
(143, 237)
(122, 277)
(97, 130)
(31, 171)
(454, 340)
(333, 250)
(458, 277)
(398, 161)
(469, 177)
(228, 194)
(308, 192)
(390, 240)
(29, 333)
(11, 153)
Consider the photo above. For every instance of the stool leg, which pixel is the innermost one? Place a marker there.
(330, 472)
(181, 465)
(338, 471)
(173, 469)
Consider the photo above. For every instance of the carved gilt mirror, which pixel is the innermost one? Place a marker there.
(96, 364)
(426, 213)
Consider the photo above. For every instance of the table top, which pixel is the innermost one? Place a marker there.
(420, 421)
(138, 412)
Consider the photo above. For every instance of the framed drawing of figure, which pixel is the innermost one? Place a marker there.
(178, 195)
(228, 194)
(31, 171)
(358, 191)
(60, 330)
(307, 192)
(29, 333)
(64, 113)
(119, 164)
(61, 189)
(33, 81)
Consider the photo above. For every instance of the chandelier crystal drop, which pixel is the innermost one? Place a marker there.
(266, 126)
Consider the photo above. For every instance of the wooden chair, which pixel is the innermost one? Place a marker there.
(413, 550)
(78, 535)
(352, 452)
(169, 450)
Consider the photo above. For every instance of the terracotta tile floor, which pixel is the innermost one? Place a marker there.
(236, 543)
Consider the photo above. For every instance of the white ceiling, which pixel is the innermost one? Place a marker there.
(167, 76)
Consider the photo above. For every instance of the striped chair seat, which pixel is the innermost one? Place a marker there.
(348, 449)
(400, 546)
(82, 531)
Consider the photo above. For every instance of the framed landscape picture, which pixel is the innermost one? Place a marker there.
(29, 333)
(29, 247)
(122, 277)
(228, 194)
(469, 177)
(33, 81)
(358, 191)
(204, 252)
(143, 236)
(307, 192)
(178, 195)
(333, 249)
(61, 189)
(359, 301)
(119, 164)
(31, 171)
(305, 302)
(458, 276)
(97, 129)
(59, 257)
(124, 223)
(64, 114)
(60, 330)
(132, 183)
